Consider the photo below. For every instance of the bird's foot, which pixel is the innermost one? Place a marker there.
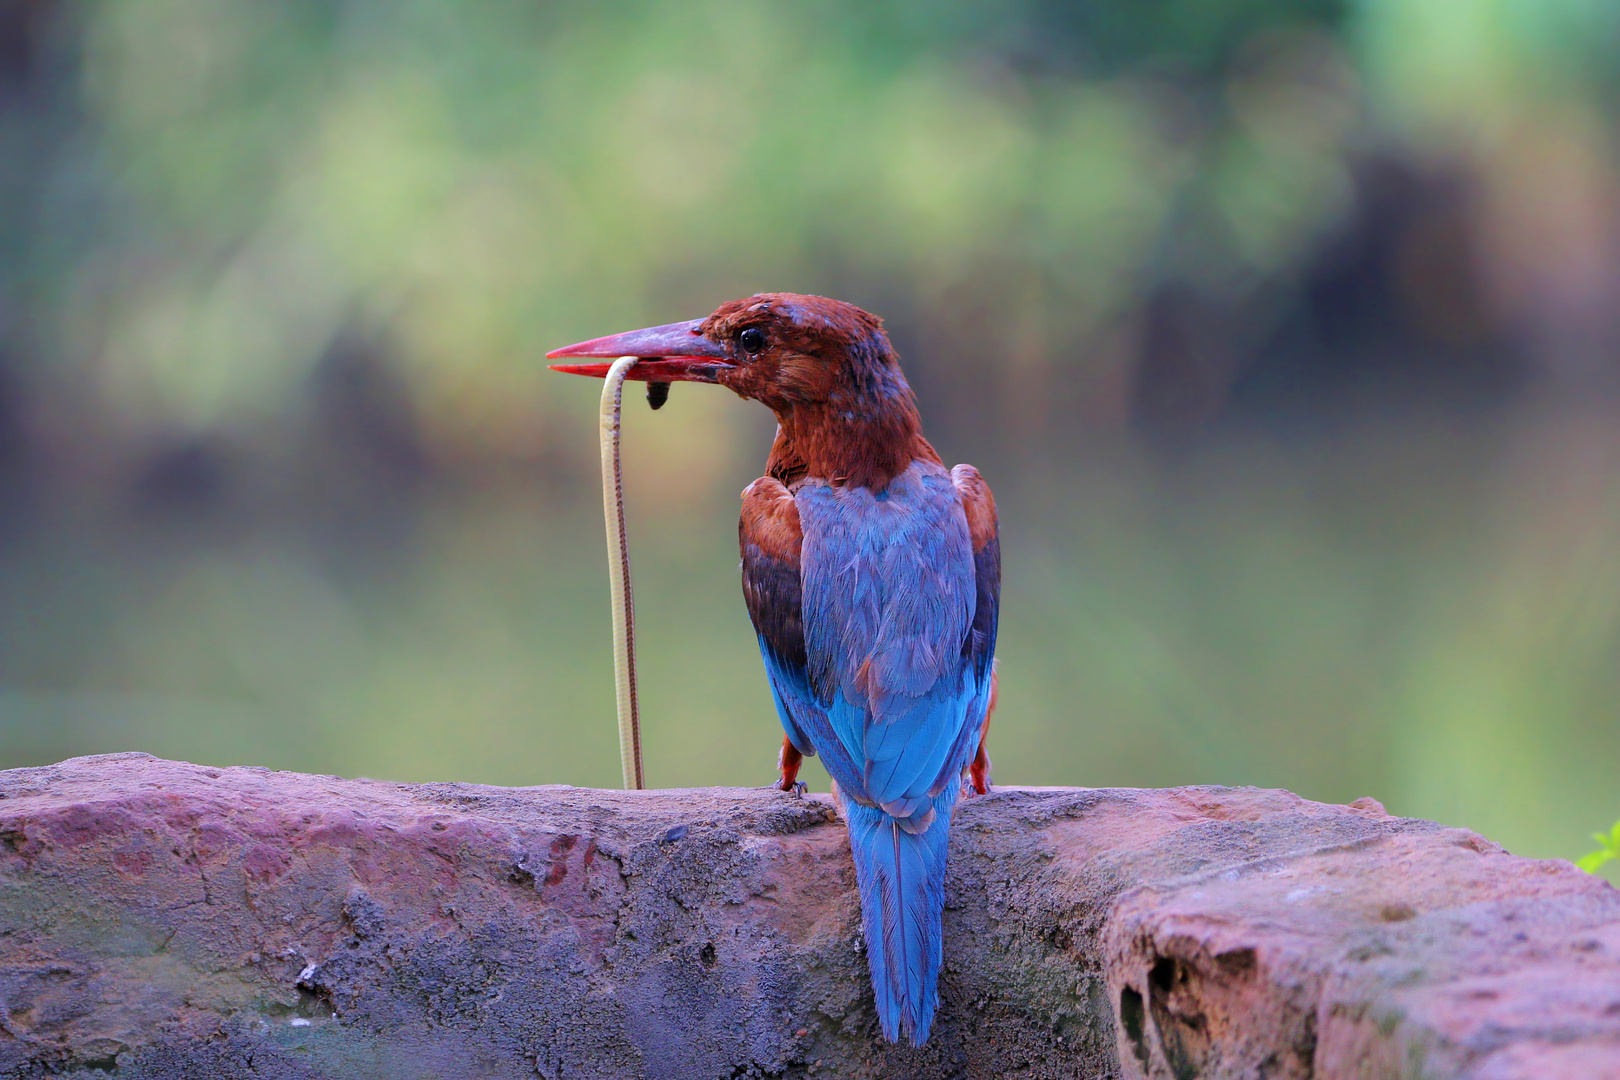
(787, 767)
(978, 773)
(796, 788)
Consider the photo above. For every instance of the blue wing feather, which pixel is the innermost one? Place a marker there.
(911, 772)
(805, 718)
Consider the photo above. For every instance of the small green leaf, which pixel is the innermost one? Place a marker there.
(1608, 848)
(1592, 860)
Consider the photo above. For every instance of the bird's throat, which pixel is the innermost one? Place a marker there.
(848, 447)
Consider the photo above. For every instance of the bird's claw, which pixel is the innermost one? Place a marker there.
(796, 789)
(971, 788)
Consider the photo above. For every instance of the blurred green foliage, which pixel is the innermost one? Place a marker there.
(1285, 330)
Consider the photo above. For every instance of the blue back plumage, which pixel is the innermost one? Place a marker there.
(890, 690)
(888, 598)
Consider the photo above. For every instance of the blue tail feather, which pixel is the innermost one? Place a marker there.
(901, 876)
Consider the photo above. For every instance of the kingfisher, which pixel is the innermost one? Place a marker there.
(872, 575)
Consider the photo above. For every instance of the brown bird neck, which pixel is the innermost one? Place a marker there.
(848, 447)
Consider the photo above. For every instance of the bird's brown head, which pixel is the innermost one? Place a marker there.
(825, 367)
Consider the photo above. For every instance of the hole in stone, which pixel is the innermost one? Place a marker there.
(1173, 1003)
(1131, 1015)
(314, 1003)
(708, 955)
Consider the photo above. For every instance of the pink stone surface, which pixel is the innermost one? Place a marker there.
(172, 920)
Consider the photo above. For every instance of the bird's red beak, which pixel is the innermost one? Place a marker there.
(677, 352)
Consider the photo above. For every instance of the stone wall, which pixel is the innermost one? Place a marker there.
(162, 920)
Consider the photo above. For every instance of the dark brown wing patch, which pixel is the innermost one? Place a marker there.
(770, 538)
(985, 534)
(979, 504)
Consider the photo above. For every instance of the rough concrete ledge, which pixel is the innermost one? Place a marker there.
(159, 919)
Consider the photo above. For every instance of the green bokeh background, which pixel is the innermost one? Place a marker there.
(1286, 332)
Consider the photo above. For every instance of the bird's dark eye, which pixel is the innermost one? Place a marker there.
(752, 339)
